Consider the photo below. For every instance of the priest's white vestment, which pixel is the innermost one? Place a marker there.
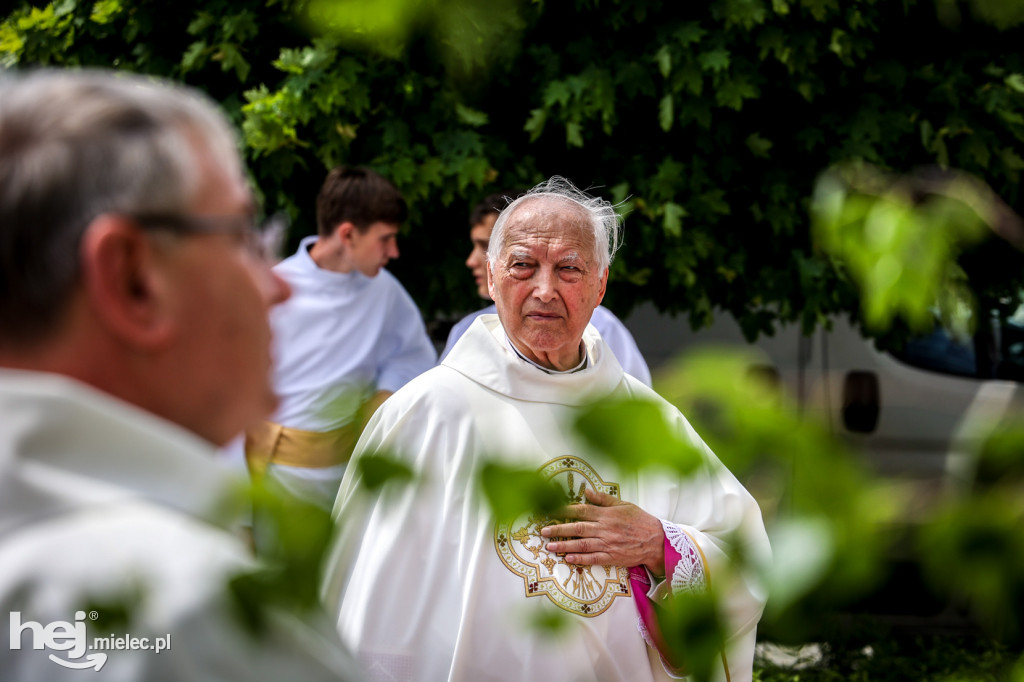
(426, 584)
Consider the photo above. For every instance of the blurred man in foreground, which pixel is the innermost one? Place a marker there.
(426, 584)
(133, 340)
(614, 333)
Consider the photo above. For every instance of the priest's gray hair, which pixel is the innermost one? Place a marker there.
(75, 145)
(603, 220)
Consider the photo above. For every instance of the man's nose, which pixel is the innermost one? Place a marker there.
(392, 250)
(544, 286)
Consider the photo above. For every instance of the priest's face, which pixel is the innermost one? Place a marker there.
(546, 282)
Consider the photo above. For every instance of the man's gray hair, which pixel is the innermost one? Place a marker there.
(603, 220)
(73, 146)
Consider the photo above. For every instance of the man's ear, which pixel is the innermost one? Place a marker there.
(490, 281)
(604, 287)
(344, 232)
(125, 282)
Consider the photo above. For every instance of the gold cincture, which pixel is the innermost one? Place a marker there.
(273, 443)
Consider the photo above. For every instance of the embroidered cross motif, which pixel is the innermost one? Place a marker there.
(584, 590)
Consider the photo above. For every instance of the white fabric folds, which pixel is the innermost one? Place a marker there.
(426, 584)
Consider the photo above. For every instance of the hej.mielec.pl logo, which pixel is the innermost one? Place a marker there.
(73, 639)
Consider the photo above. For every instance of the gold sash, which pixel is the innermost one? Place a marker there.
(272, 443)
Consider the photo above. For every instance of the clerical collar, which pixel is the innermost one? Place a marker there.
(578, 368)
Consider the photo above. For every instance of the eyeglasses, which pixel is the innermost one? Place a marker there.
(262, 239)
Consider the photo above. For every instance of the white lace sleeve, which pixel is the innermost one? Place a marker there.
(689, 574)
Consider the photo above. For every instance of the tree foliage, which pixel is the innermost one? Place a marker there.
(710, 121)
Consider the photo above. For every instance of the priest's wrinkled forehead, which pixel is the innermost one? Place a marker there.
(549, 219)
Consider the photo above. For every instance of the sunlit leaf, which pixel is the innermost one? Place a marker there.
(802, 549)
(695, 632)
(664, 59)
(666, 113)
(636, 434)
(512, 491)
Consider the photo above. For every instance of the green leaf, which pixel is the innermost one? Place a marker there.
(535, 124)
(379, 470)
(664, 59)
(673, 221)
(696, 632)
(63, 7)
(432, 171)
(231, 58)
(620, 193)
(470, 116)
(820, 9)
(759, 146)
(666, 115)
(803, 548)
(513, 491)
(690, 78)
(636, 434)
(1015, 82)
(732, 93)
(715, 202)
(689, 33)
(715, 60)
(11, 45)
(1011, 159)
(557, 92)
(668, 181)
(573, 134)
(201, 22)
(239, 27)
(104, 11)
(195, 56)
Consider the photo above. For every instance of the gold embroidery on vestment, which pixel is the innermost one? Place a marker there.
(584, 590)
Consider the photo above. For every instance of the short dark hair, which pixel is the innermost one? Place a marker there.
(493, 203)
(358, 195)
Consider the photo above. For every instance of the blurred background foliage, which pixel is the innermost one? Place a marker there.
(712, 121)
(768, 154)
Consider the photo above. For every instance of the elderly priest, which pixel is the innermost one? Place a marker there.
(426, 584)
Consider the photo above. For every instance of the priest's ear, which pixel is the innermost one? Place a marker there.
(126, 282)
(604, 287)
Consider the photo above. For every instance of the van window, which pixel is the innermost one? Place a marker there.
(994, 351)
(942, 352)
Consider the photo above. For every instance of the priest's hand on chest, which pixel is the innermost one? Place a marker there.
(608, 531)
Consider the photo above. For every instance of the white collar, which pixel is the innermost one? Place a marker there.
(582, 363)
(484, 356)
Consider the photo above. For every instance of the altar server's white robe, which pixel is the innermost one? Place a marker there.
(426, 584)
(337, 339)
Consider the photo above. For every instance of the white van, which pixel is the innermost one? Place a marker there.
(914, 419)
(910, 416)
